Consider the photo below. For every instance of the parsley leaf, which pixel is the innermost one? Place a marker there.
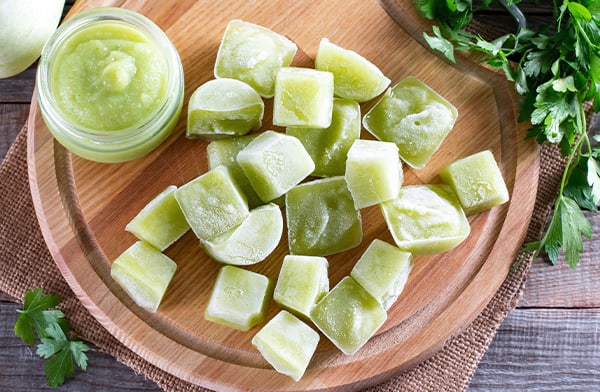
(35, 316)
(62, 352)
(52, 329)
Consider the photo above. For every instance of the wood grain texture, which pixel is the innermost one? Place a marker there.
(445, 292)
(543, 350)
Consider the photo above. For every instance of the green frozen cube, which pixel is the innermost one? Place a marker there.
(274, 163)
(355, 77)
(303, 98)
(328, 147)
(250, 242)
(426, 219)
(287, 343)
(144, 273)
(239, 298)
(477, 181)
(373, 172)
(321, 218)
(160, 222)
(224, 152)
(223, 108)
(302, 282)
(383, 270)
(348, 315)
(415, 117)
(212, 203)
(253, 54)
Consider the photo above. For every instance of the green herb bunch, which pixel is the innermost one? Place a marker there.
(51, 327)
(556, 70)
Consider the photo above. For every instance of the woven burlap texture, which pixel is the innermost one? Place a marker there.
(25, 262)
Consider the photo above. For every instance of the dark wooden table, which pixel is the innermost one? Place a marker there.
(550, 342)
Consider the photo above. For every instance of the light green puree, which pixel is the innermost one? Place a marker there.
(108, 77)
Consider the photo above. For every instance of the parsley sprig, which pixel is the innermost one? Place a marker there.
(53, 330)
(556, 70)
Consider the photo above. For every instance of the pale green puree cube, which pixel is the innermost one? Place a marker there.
(348, 315)
(223, 108)
(303, 98)
(239, 298)
(426, 219)
(302, 282)
(160, 222)
(250, 242)
(355, 77)
(253, 54)
(274, 163)
(383, 270)
(328, 147)
(287, 343)
(373, 172)
(224, 152)
(212, 203)
(477, 181)
(413, 116)
(144, 273)
(321, 218)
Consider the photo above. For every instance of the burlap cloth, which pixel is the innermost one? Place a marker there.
(25, 262)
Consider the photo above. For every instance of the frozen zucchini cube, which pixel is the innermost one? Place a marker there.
(212, 203)
(274, 163)
(161, 222)
(321, 218)
(383, 270)
(303, 98)
(253, 54)
(354, 76)
(426, 219)
(224, 152)
(223, 108)
(477, 181)
(144, 273)
(250, 242)
(373, 172)
(415, 117)
(287, 343)
(239, 298)
(302, 282)
(328, 147)
(348, 315)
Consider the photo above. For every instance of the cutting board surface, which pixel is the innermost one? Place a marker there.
(83, 206)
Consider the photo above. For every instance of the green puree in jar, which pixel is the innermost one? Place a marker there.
(108, 76)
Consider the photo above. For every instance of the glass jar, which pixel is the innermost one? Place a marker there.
(110, 85)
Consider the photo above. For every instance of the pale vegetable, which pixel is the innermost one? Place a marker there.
(303, 98)
(426, 219)
(144, 273)
(373, 172)
(348, 315)
(250, 242)
(477, 181)
(274, 163)
(355, 77)
(287, 344)
(25, 26)
(383, 270)
(239, 298)
(302, 282)
(415, 117)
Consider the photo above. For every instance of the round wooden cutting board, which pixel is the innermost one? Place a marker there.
(83, 206)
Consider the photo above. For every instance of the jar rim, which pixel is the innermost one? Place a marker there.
(142, 131)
